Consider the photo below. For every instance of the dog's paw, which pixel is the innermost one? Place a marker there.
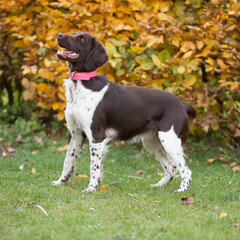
(56, 183)
(90, 189)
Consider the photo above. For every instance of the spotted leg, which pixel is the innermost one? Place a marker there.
(74, 147)
(154, 147)
(173, 147)
(97, 151)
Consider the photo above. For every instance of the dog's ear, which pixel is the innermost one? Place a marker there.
(97, 57)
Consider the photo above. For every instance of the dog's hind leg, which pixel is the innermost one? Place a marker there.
(75, 145)
(172, 144)
(154, 147)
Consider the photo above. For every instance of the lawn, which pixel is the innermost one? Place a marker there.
(130, 208)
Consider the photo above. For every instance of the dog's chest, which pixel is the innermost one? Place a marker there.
(82, 103)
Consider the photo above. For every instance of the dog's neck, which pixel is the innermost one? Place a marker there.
(78, 67)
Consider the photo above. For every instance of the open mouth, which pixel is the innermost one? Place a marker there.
(68, 54)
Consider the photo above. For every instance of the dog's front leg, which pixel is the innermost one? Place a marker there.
(97, 151)
(74, 147)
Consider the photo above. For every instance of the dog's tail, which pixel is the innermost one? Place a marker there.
(191, 111)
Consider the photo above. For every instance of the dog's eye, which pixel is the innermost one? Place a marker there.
(81, 39)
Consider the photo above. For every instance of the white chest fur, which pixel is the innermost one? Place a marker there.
(81, 105)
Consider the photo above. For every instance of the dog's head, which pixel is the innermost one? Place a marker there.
(83, 51)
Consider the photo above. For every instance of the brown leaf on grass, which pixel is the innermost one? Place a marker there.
(222, 215)
(39, 140)
(34, 171)
(139, 171)
(221, 159)
(80, 176)
(64, 148)
(233, 164)
(236, 169)
(235, 224)
(104, 188)
(10, 150)
(160, 174)
(114, 184)
(19, 138)
(117, 144)
(187, 200)
(34, 152)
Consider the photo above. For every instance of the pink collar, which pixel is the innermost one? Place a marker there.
(82, 75)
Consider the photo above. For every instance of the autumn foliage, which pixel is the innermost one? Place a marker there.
(190, 48)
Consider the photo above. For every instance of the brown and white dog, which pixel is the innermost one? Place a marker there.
(102, 110)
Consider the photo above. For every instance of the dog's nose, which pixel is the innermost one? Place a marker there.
(61, 35)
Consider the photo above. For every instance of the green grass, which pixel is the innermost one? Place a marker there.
(131, 210)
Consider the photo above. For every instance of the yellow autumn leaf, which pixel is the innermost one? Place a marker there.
(211, 160)
(164, 6)
(221, 63)
(55, 106)
(80, 176)
(187, 54)
(64, 148)
(156, 61)
(162, 16)
(200, 45)
(181, 69)
(104, 188)
(222, 215)
(34, 171)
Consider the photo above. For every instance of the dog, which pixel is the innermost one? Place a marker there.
(100, 110)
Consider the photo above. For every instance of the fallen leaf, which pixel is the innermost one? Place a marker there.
(64, 148)
(80, 176)
(104, 188)
(92, 209)
(21, 167)
(1, 139)
(138, 155)
(210, 160)
(233, 164)
(139, 171)
(117, 144)
(34, 152)
(236, 169)
(39, 140)
(114, 184)
(31, 203)
(187, 200)
(34, 171)
(19, 138)
(10, 150)
(221, 159)
(222, 215)
(215, 208)
(153, 166)
(203, 186)
(5, 154)
(235, 224)
(160, 174)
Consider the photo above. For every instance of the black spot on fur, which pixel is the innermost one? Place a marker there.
(72, 154)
